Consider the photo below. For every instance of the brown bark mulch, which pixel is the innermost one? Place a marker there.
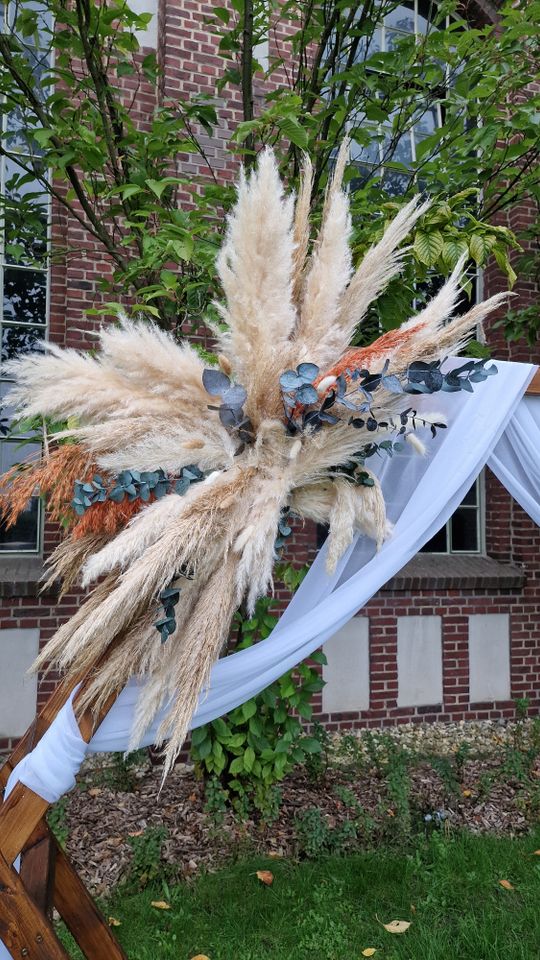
(485, 795)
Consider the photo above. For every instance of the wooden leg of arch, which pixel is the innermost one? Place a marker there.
(46, 878)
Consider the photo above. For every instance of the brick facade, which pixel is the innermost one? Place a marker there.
(188, 55)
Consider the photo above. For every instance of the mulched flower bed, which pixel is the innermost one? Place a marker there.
(477, 776)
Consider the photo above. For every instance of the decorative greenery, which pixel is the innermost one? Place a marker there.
(166, 625)
(231, 410)
(133, 485)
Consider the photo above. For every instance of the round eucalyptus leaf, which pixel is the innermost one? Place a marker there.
(307, 394)
(290, 381)
(308, 371)
(236, 396)
(215, 382)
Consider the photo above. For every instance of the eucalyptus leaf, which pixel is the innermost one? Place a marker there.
(215, 382)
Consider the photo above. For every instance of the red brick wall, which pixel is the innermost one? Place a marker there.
(188, 54)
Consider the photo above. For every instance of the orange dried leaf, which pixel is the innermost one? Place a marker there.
(506, 884)
(266, 877)
(160, 904)
(369, 952)
(200, 956)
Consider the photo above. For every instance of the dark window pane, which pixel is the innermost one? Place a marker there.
(465, 530)
(25, 296)
(16, 340)
(471, 498)
(24, 534)
(26, 229)
(394, 183)
(437, 544)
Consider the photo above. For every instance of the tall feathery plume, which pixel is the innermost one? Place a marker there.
(380, 264)
(302, 228)
(255, 269)
(329, 271)
(204, 638)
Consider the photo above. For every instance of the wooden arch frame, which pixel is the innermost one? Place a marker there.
(47, 878)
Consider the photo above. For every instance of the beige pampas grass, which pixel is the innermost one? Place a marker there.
(301, 233)
(140, 404)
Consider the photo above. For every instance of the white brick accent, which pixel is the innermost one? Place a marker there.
(18, 649)
(347, 670)
(419, 656)
(489, 657)
(148, 37)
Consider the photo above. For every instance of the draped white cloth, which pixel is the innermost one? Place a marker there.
(516, 458)
(493, 424)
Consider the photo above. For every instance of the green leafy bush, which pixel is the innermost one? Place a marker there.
(253, 747)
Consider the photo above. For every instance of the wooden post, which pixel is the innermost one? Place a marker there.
(47, 877)
(534, 387)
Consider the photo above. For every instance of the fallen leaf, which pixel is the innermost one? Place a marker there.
(467, 793)
(136, 833)
(536, 853)
(113, 922)
(160, 905)
(506, 884)
(95, 791)
(266, 877)
(200, 956)
(369, 952)
(391, 813)
(397, 926)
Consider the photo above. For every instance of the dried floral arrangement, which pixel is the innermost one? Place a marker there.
(179, 480)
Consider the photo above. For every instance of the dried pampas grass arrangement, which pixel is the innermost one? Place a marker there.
(178, 480)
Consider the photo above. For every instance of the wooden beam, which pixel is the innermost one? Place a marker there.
(24, 929)
(80, 914)
(534, 387)
(38, 870)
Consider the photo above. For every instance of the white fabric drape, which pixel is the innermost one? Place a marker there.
(516, 458)
(421, 494)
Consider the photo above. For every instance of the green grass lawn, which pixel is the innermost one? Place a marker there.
(327, 909)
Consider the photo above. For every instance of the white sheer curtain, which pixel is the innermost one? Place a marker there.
(421, 494)
(516, 458)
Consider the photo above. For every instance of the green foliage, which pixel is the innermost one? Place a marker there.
(254, 746)
(146, 863)
(160, 229)
(57, 820)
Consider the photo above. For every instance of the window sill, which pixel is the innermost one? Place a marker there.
(456, 572)
(21, 577)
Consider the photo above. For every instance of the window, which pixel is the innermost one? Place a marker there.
(382, 147)
(24, 280)
(463, 532)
